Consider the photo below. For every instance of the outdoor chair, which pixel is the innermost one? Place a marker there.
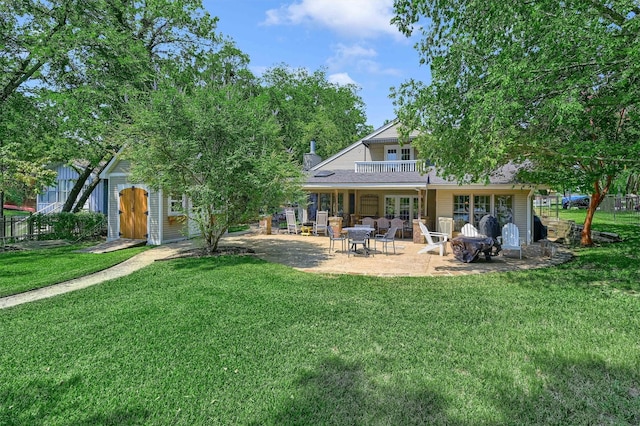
(333, 238)
(355, 238)
(321, 223)
(389, 237)
(510, 239)
(398, 223)
(367, 221)
(383, 225)
(440, 243)
(292, 225)
(468, 230)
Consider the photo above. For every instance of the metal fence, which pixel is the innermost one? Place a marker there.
(620, 208)
(43, 227)
(18, 228)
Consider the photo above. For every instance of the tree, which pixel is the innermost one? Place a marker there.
(23, 163)
(552, 86)
(221, 148)
(309, 107)
(91, 57)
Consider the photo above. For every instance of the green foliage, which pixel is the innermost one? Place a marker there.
(553, 86)
(309, 107)
(69, 226)
(221, 147)
(82, 62)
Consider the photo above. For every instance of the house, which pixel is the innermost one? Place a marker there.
(138, 212)
(54, 197)
(378, 176)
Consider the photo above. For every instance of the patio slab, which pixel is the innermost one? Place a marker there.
(311, 254)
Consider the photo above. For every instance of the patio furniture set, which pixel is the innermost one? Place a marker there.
(467, 247)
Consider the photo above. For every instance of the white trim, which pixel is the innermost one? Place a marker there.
(160, 218)
(110, 165)
(413, 185)
(183, 204)
(355, 144)
(117, 174)
(529, 218)
(398, 149)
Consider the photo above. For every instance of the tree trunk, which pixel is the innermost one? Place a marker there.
(85, 195)
(77, 188)
(596, 198)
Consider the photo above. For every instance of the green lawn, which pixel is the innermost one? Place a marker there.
(28, 270)
(8, 213)
(235, 340)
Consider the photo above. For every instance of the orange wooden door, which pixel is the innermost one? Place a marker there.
(133, 213)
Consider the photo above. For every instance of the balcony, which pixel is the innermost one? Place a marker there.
(390, 166)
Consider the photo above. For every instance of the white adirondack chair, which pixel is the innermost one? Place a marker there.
(321, 223)
(510, 239)
(292, 226)
(468, 230)
(440, 243)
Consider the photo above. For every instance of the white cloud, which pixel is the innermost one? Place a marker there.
(356, 18)
(341, 78)
(360, 57)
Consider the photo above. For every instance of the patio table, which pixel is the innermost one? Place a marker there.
(468, 249)
(360, 228)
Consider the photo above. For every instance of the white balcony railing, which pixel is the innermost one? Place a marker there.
(389, 166)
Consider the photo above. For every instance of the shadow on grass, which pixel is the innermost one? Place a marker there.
(339, 393)
(556, 390)
(214, 262)
(41, 401)
(572, 391)
(296, 253)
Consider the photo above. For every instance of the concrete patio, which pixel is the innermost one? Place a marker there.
(311, 254)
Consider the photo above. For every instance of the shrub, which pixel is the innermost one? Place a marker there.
(68, 226)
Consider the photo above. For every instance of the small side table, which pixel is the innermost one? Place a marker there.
(306, 230)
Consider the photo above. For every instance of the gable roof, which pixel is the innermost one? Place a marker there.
(388, 133)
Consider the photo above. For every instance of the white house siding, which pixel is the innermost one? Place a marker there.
(122, 166)
(444, 203)
(172, 231)
(348, 159)
(113, 226)
(377, 152)
(389, 133)
(153, 221)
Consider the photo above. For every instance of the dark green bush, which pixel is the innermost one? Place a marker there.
(67, 226)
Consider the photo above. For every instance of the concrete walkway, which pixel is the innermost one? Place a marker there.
(138, 261)
(311, 254)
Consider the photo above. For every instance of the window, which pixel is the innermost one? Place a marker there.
(460, 211)
(396, 152)
(406, 208)
(405, 154)
(481, 207)
(323, 202)
(176, 205)
(392, 154)
(50, 195)
(504, 209)
(500, 205)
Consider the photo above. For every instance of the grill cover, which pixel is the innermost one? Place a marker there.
(489, 226)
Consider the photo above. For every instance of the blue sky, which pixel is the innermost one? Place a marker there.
(352, 39)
